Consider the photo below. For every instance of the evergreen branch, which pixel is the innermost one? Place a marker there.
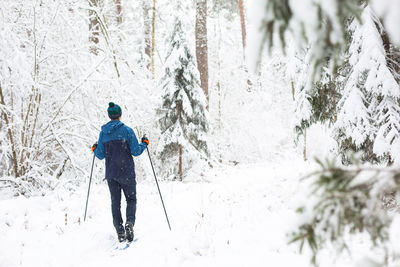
(346, 205)
(350, 170)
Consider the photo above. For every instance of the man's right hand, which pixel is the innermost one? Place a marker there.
(94, 146)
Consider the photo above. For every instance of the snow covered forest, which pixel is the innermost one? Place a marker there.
(274, 130)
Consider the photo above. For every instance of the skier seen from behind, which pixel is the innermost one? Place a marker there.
(117, 144)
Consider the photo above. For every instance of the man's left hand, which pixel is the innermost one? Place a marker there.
(145, 140)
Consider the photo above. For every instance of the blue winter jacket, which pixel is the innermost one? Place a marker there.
(117, 143)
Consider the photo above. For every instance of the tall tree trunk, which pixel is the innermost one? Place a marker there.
(243, 24)
(153, 38)
(201, 45)
(94, 27)
(118, 6)
(147, 23)
(243, 27)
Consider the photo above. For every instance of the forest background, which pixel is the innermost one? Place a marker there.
(187, 75)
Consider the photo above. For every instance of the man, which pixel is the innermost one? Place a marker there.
(117, 143)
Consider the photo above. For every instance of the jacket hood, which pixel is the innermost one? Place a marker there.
(111, 126)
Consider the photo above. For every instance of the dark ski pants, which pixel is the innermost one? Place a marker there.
(130, 197)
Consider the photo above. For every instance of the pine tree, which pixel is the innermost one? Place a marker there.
(385, 105)
(183, 114)
(368, 119)
(354, 129)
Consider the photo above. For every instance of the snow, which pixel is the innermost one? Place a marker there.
(239, 217)
(395, 233)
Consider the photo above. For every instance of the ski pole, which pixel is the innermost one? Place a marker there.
(159, 191)
(90, 181)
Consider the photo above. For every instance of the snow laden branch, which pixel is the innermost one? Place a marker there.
(71, 93)
(318, 24)
(346, 201)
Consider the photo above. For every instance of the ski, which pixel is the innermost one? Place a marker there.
(125, 245)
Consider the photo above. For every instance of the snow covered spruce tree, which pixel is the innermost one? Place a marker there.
(369, 116)
(183, 121)
(351, 200)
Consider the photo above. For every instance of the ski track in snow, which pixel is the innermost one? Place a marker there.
(238, 217)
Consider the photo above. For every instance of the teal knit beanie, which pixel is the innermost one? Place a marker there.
(114, 111)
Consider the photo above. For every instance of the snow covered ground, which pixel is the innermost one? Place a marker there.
(237, 217)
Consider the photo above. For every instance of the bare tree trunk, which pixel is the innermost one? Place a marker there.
(153, 38)
(94, 27)
(147, 32)
(101, 26)
(118, 6)
(180, 164)
(10, 136)
(201, 45)
(32, 112)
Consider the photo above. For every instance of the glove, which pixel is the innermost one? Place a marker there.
(94, 146)
(145, 140)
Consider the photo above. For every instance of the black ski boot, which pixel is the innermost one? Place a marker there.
(121, 233)
(121, 237)
(129, 231)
